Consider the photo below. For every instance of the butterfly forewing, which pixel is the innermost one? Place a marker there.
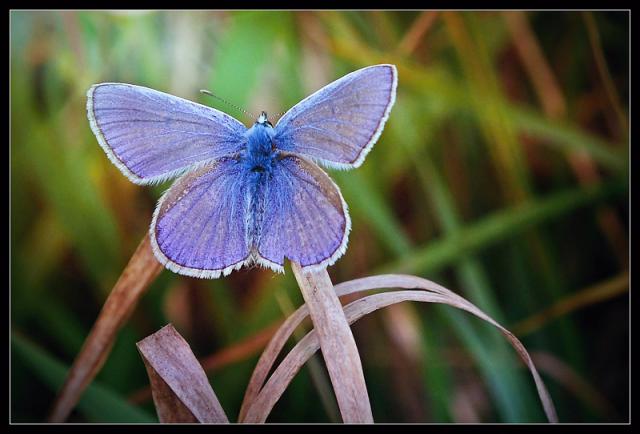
(305, 217)
(152, 136)
(199, 226)
(338, 125)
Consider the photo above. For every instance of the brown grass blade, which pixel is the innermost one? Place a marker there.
(168, 406)
(180, 388)
(338, 346)
(141, 270)
(241, 350)
(278, 341)
(258, 410)
(224, 357)
(318, 374)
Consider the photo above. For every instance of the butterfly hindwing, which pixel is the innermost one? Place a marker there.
(338, 125)
(199, 226)
(152, 136)
(305, 217)
(214, 219)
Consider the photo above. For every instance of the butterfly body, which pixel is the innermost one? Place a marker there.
(243, 195)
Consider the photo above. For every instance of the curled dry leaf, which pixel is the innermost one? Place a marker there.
(258, 406)
(226, 356)
(168, 406)
(141, 270)
(180, 388)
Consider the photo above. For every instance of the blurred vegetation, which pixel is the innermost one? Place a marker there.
(502, 174)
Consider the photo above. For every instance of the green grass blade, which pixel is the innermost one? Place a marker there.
(242, 53)
(436, 372)
(98, 404)
(501, 226)
(87, 220)
(367, 203)
(507, 385)
(567, 137)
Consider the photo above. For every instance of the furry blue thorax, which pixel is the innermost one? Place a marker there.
(260, 150)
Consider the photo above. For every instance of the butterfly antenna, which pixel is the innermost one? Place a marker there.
(277, 116)
(206, 92)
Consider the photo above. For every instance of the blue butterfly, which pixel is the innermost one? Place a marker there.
(244, 196)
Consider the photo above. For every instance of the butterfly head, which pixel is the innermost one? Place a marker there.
(263, 120)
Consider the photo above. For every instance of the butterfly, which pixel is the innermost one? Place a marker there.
(244, 195)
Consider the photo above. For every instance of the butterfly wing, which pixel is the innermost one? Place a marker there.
(338, 125)
(199, 225)
(305, 217)
(152, 136)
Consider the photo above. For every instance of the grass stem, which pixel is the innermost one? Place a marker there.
(141, 270)
(337, 343)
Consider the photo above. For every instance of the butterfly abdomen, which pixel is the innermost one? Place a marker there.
(258, 184)
(258, 163)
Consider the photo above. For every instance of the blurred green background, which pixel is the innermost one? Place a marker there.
(501, 174)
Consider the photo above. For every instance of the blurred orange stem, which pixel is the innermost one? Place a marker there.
(554, 105)
(594, 294)
(603, 70)
(418, 29)
(535, 64)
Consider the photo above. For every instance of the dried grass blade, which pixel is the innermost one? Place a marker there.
(338, 346)
(289, 367)
(282, 335)
(435, 293)
(168, 406)
(180, 388)
(141, 270)
(222, 358)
